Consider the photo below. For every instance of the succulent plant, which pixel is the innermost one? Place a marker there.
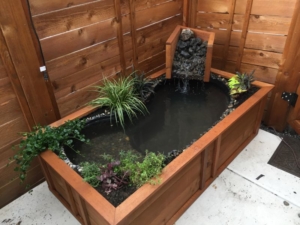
(240, 83)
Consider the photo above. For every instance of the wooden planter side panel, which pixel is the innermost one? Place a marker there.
(77, 196)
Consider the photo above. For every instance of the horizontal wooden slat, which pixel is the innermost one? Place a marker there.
(77, 81)
(43, 6)
(282, 8)
(153, 62)
(69, 19)
(7, 173)
(266, 42)
(10, 130)
(220, 37)
(9, 111)
(263, 24)
(76, 100)
(221, 6)
(212, 20)
(261, 73)
(148, 34)
(259, 41)
(153, 48)
(7, 151)
(75, 40)
(145, 4)
(85, 58)
(6, 90)
(158, 13)
(262, 58)
(13, 189)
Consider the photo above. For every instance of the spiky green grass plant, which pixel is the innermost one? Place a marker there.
(240, 83)
(121, 98)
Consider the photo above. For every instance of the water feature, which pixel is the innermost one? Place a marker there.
(176, 119)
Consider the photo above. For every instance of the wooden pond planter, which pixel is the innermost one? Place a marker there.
(183, 180)
(172, 43)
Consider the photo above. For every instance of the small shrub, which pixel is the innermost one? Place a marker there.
(119, 96)
(141, 171)
(142, 85)
(147, 170)
(111, 179)
(240, 82)
(90, 173)
(131, 169)
(43, 138)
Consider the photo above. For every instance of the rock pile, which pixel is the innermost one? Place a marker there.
(189, 58)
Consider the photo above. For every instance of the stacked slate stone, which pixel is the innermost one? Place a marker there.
(189, 57)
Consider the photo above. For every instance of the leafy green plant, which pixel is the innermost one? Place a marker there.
(142, 84)
(142, 171)
(90, 173)
(43, 138)
(120, 97)
(240, 82)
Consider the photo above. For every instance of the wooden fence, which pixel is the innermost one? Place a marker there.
(83, 41)
(90, 40)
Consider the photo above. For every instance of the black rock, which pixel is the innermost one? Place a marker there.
(185, 54)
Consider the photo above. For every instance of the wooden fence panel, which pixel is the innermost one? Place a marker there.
(88, 40)
(12, 122)
(255, 43)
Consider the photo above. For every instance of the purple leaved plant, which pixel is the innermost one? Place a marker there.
(110, 179)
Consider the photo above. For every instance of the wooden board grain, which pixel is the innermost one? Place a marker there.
(262, 73)
(152, 62)
(212, 20)
(69, 19)
(157, 13)
(8, 151)
(44, 6)
(283, 8)
(148, 34)
(10, 131)
(264, 24)
(74, 82)
(83, 59)
(78, 39)
(8, 175)
(24, 55)
(9, 110)
(3, 72)
(13, 189)
(6, 90)
(220, 35)
(220, 6)
(262, 58)
(145, 4)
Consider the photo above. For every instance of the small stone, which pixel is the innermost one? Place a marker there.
(185, 54)
(286, 203)
(186, 34)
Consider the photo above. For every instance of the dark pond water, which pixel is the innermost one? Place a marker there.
(174, 122)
